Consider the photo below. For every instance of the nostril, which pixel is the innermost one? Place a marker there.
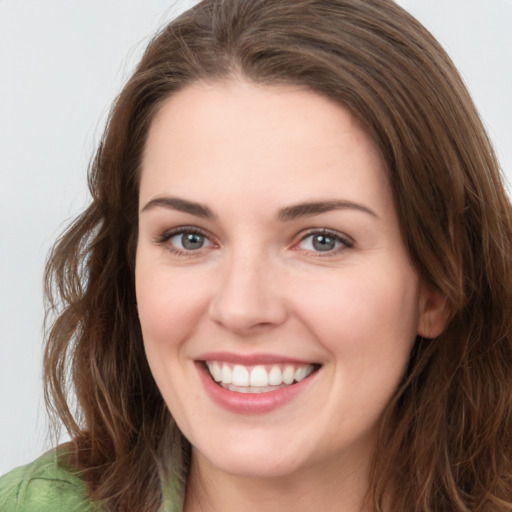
(247, 299)
(247, 319)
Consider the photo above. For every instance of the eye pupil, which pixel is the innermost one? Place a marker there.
(192, 241)
(323, 243)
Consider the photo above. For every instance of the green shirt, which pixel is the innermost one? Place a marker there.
(44, 486)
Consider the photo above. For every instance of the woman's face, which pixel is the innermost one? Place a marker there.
(277, 301)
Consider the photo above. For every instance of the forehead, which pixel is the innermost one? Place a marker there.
(205, 108)
(257, 137)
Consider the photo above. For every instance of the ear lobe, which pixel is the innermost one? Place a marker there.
(434, 313)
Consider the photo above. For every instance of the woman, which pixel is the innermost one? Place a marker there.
(292, 287)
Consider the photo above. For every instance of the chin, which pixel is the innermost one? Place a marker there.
(253, 460)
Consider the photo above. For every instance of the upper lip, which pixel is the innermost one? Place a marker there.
(251, 359)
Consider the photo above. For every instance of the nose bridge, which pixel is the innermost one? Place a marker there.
(247, 297)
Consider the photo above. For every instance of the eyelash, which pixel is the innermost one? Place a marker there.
(164, 238)
(343, 240)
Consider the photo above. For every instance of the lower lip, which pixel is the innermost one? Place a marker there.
(251, 403)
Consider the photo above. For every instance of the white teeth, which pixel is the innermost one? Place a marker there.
(226, 374)
(288, 374)
(257, 379)
(275, 377)
(240, 376)
(252, 390)
(300, 373)
(215, 371)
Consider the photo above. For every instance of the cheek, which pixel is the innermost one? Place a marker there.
(169, 304)
(364, 314)
(170, 307)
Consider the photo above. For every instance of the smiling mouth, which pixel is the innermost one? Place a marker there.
(258, 378)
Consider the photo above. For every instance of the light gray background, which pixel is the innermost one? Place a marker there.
(61, 65)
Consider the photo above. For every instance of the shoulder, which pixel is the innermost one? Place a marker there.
(43, 486)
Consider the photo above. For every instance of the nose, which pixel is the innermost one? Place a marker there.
(248, 298)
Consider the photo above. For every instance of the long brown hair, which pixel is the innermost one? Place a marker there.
(445, 439)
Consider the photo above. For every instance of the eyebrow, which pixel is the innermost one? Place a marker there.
(181, 205)
(306, 209)
(309, 209)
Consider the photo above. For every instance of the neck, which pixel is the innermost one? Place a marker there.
(329, 488)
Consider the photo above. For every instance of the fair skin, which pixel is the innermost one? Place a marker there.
(269, 242)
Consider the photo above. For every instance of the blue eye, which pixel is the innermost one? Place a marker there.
(324, 242)
(189, 241)
(184, 240)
